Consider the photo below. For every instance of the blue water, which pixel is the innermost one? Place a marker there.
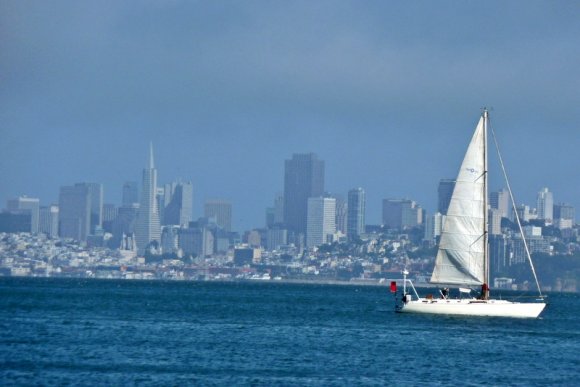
(97, 332)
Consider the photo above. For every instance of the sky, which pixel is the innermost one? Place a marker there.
(386, 93)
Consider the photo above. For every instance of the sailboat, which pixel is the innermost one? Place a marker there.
(463, 255)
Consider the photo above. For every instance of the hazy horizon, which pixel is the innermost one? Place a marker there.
(387, 94)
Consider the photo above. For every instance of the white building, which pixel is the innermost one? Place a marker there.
(545, 205)
(321, 220)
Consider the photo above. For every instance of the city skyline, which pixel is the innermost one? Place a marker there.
(385, 94)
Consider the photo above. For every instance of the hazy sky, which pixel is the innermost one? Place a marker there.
(387, 93)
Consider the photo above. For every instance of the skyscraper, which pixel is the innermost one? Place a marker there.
(130, 193)
(179, 199)
(356, 213)
(401, 213)
(341, 215)
(74, 204)
(545, 205)
(500, 201)
(96, 192)
(147, 228)
(303, 179)
(221, 210)
(48, 221)
(321, 216)
(445, 190)
(26, 204)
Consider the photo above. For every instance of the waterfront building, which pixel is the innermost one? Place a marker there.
(356, 213)
(48, 220)
(147, 227)
(74, 205)
(499, 200)
(303, 179)
(444, 192)
(221, 210)
(178, 198)
(545, 205)
(321, 221)
(26, 204)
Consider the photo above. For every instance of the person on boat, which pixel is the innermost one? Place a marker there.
(484, 291)
(444, 293)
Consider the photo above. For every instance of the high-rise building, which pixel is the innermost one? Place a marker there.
(179, 203)
(494, 221)
(401, 213)
(170, 239)
(433, 226)
(74, 205)
(564, 211)
(303, 179)
(500, 201)
(48, 221)
(126, 220)
(130, 193)
(24, 203)
(147, 227)
(564, 215)
(96, 192)
(444, 192)
(545, 205)
(321, 217)
(356, 213)
(341, 215)
(221, 210)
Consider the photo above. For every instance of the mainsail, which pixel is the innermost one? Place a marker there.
(461, 256)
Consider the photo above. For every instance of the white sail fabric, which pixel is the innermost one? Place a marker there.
(460, 259)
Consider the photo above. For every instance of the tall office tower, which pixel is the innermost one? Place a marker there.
(321, 217)
(341, 215)
(96, 192)
(356, 213)
(500, 200)
(564, 215)
(198, 241)
(303, 179)
(444, 192)
(221, 210)
(433, 226)
(401, 213)
(564, 211)
(494, 221)
(109, 212)
(545, 205)
(179, 204)
(170, 239)
(279, 209)
(48, 221)
(130, 193)
(24, 203)
(74, 205)
(147, 228)
(126, 220)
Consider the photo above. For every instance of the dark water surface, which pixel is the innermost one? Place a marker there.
(98, 332)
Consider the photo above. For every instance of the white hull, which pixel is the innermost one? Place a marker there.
(472, 307)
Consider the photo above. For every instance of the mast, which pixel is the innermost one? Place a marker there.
(485, 210)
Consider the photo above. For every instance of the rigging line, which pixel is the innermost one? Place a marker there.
(516, 212)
